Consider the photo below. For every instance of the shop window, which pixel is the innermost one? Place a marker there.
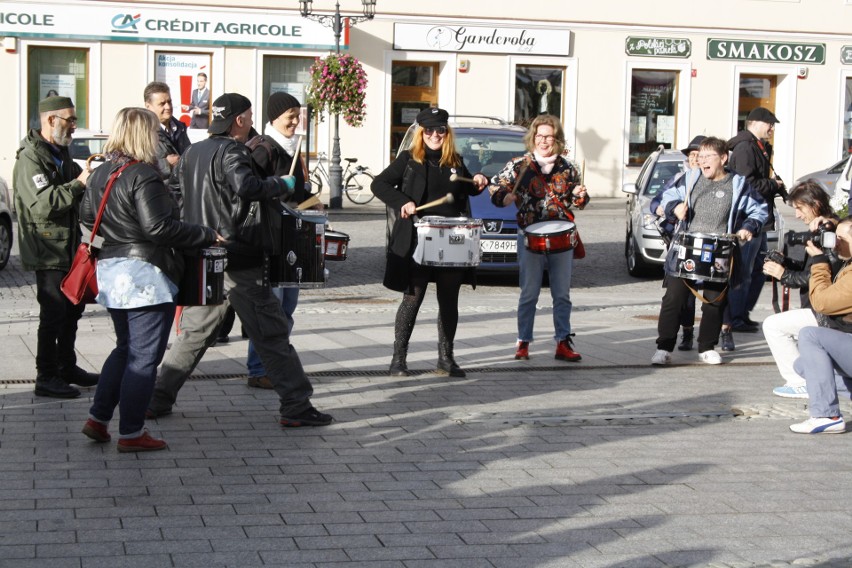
(755, 91)
(847, 118)
(653, 112)
(538, 90)
(291, 75)
(414, 87)
(61, 71)
(188, 76)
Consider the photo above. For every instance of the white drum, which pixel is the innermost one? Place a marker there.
(448, 241)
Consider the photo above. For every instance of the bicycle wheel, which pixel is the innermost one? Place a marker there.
(316, 184)
(357, 187)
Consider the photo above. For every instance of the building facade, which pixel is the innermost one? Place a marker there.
(623, 78)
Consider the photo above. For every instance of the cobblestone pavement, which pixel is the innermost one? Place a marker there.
(604, 463)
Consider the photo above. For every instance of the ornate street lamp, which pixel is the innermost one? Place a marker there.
(335, 22)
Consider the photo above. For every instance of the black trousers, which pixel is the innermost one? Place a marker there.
(674, 300)
(57, 325)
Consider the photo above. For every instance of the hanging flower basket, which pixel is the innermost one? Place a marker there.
(338, 86)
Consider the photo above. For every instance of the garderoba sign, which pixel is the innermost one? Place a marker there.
(481, 39)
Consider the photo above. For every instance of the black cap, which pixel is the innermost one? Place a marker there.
(432, 117)
(694, 145)
(763, 115)
(279, 103)
(225, 109)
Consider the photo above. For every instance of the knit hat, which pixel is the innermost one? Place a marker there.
(225, 109)
(433, 116)
(279, 103)
(54, 103)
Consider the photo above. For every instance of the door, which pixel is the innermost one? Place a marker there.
(414, 87)
(755, 91)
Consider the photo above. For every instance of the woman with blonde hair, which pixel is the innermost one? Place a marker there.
(138, 272)
(417, 176)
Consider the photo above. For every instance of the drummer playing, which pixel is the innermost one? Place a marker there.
(708, 200)
(544, 186)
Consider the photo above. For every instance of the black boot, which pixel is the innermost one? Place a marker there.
(398, 366)
(446, 362)
(686, 340)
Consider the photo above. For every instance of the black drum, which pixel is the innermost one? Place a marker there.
(302, 262)
(203, 282)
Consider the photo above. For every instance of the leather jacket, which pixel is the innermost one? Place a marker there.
(219, 188)
(141, 218)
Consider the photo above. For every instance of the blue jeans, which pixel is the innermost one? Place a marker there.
(130, 371)
(825, 360)
(531, 272)
(289, 299)
(743, 297)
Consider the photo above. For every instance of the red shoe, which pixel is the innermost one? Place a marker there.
(96, 431)
(523, 351)
(565, 353)
(143, 443)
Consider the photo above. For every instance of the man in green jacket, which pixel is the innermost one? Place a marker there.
(49, 187)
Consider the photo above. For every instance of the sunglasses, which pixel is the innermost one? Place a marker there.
(430, 130)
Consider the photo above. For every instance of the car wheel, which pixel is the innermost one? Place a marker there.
(636, 266)
(5, 242)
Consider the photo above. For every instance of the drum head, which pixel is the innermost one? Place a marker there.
(549, 227)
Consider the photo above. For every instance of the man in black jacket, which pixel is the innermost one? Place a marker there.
(173, 140)
(751, 157)
(218, 185)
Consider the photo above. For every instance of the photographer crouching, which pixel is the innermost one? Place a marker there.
(825, 353)
(781, 330)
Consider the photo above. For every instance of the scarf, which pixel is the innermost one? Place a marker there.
(546, 164)
(289, 144)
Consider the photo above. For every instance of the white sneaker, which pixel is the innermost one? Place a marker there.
(820, 426)
(791, 392)
(710, 357)
(661, 357)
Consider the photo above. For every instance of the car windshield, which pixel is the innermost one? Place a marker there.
(490, 152)
(82, 148)
(660, 176)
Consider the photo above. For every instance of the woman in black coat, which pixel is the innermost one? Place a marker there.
(418, 176)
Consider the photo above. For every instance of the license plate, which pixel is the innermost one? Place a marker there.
(498, 245)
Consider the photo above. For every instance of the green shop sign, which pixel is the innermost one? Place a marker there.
(846, 55)
(658, 46)
(813, 53)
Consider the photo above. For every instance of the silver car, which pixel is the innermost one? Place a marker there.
(5, 224)
(644, 248)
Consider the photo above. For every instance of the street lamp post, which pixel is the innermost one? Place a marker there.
(335, 22)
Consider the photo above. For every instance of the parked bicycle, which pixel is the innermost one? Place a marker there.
(356, 180)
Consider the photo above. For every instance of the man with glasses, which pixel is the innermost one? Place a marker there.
(49, 187)
(173, 140)
(709, 199)
(751, 156)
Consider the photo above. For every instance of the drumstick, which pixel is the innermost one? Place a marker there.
(296, 154)
(308, 203)
(456, 177)
(583, 172)
(446, 199)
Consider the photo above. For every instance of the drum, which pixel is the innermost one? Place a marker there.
(203, 282)
(448, 241)
(336, 245)
(704, 256)
(549, 237)
(302, 262)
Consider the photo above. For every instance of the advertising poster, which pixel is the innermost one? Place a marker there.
(180, 71)
(56, 86)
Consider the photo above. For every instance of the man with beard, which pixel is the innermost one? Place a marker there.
(49, 187)
(173, 137)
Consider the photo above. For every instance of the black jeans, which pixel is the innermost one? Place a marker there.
(57, 325)
(676, 296)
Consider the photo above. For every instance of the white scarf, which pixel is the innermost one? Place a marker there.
(289, 144)
(547, 163)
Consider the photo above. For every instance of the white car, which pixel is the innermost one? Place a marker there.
(86, 143)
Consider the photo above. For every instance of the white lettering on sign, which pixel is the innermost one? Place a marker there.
(765, 51)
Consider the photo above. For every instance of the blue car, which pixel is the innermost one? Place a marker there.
(487, 144)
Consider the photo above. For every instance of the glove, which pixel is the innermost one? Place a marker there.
(290, 183)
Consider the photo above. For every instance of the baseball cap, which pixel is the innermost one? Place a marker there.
(763, 115)
(224, 110)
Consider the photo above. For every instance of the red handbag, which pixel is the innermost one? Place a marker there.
(80, 285)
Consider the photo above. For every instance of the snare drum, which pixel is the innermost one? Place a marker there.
(203, 282)
(336, 245)
(302, 262)
(448, 241)
(549, 237)
(704, 256)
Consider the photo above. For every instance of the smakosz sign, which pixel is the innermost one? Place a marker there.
(810, 53)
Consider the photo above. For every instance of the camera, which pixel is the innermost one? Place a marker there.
(823, 237)
(775, 256)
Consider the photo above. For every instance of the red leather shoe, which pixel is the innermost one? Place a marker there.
(523, 351)
(565, 353)
(96, 431)
(143, 443)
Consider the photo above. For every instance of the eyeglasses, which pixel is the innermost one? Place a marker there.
(544, 138)
(430, 130)
(707, 156)
(71, 119)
